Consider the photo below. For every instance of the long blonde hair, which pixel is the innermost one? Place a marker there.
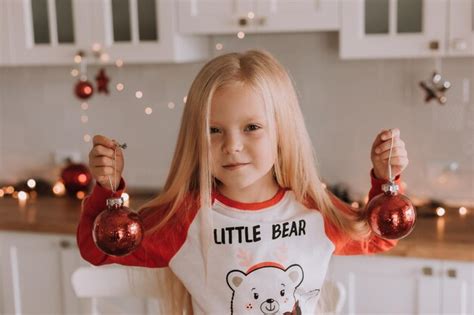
(295, 166)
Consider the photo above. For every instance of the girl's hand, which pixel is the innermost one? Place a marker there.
(381, 150)
(101, 162)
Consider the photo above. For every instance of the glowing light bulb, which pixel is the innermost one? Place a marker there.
(31, 183)
(463, 211)
(251, 15)
(440, 211)
(22, 195)
(119, 87)
(139, 94)
(148, 110)
(104, 57)
(80, 195)
(355, 204)
(77, 58)
(84, 119)
(171, 105)
(240, 35)
(87, 138)
(59, 189)
(74, 72)
(85, 106)
(96, 47)
(119, 63)
(219, 46)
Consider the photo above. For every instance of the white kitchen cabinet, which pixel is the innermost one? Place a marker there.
(136, 31)
(396, 285)
(257, 16)
(393, 28)
(460, 28)
(4, 53)
(457, 288)
(35, 271)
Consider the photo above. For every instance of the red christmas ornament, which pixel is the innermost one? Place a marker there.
(76, 177)
(117, 230)
(83, 89)
(102, 81)
(391, 215)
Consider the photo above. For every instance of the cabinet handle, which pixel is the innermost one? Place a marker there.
(243, 22)
(451, 273)
(65, 244)
(427, 271)
(434, 45)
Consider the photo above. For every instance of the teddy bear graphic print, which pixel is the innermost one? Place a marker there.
(278, 297)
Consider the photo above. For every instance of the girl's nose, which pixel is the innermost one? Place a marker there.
(233, 143)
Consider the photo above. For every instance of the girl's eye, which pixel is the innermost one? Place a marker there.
(214, 130)
(253, 127)
(255, 296)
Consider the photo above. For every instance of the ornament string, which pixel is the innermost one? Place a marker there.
(123, 146)
(389, 159)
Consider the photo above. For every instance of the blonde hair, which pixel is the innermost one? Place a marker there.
(295, 166)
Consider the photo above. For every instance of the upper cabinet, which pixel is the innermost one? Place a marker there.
(257, 16)
(393, 28)
(3, 34)
(141, 31)
(461, 28)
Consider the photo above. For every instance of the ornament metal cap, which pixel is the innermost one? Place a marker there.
(390, 187)
(116, 202)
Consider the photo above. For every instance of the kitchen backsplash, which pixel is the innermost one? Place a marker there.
(346, 103)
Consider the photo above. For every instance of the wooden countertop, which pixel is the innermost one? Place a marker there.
(448, 237)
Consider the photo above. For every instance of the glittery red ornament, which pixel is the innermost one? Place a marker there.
(76, 177)
(391, 215)
(83, 89)
(117, 230)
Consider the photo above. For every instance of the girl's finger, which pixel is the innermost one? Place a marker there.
(99, 139)
(101, 150)
(386, 145)
(398, 161)
(396, 152)
(395, 132)
(101, 161)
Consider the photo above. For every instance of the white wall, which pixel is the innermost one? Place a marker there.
(346, 104)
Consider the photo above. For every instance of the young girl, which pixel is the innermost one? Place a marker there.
(243, 222)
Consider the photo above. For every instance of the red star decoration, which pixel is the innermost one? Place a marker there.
(102, 81)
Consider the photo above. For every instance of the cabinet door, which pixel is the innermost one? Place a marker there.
(386, 285)
(35, 274)
(216, 16)
(460, 28)
(141, 31)
(297, 16)
(458, 287)
(47, 31)
(4, 39)
(393, 28)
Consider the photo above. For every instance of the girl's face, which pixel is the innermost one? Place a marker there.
(240, 135)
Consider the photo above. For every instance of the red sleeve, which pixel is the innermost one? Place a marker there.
(347, 246)
(156, 249)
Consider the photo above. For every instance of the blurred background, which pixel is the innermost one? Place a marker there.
(71, 69)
